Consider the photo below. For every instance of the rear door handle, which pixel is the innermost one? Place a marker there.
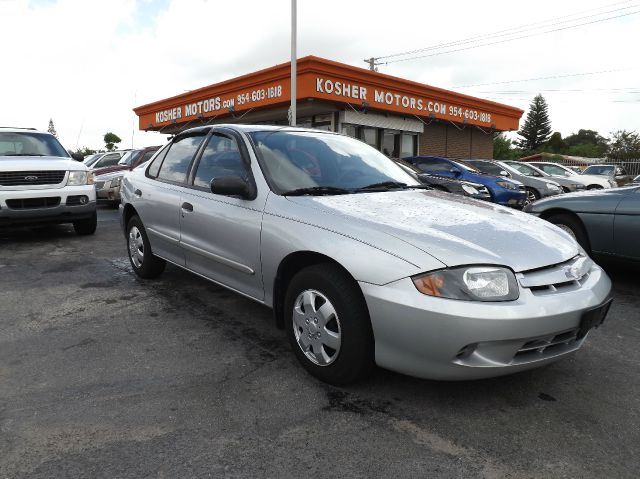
(187, 207)
(138, 193)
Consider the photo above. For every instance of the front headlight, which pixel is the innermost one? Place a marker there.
(508, 185)
(78, 178)
(116, 182)
(553, 187)
(470, 283)
(469, 189)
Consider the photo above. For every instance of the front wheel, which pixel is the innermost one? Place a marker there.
(87, 226)
(573, 227)
(532, 195)
(145, 264)
(328, 325)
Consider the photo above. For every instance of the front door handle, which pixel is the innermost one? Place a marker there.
(187, 207)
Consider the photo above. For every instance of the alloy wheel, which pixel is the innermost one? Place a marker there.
(136, 247)
(316, 327)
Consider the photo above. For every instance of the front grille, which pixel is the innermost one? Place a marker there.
(541, 348)
(19, 178)
(559, 278)
(33, 203)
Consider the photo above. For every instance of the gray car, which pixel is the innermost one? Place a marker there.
(536, 187)
(604, 222)
(566, 183)
(361, 264)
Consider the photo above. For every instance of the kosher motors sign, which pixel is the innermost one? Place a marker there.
(387, 99)
(223, 103)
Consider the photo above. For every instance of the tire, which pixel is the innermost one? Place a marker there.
(144, 263)
(86, 227)
(573, 226)
(345, 338)
(532, 195)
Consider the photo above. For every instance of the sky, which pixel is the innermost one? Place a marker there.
(86, 64)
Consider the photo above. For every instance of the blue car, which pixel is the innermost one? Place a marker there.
(503, 191)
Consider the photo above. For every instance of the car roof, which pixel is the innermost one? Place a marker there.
(11, 129)
(246, 128)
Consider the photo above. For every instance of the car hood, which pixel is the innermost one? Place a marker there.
(452, 229)
(109, 169)
(39, 163)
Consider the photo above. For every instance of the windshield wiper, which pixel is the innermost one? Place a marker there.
(383, 185)
(317, 191)
(388, 185)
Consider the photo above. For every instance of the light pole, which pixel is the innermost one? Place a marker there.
(294, 60)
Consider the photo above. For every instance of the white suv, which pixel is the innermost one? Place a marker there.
(40, 183)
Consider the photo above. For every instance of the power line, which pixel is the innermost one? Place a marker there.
(513, 30)
(552, 77)
(511, 39)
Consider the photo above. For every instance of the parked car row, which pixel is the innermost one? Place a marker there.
(109, 177)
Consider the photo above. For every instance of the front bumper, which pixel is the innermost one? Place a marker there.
(446, 339)
(42, 206)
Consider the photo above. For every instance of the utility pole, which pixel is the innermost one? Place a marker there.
(294, 61)
(372, 63)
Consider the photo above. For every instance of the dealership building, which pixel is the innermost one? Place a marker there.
(397, 116)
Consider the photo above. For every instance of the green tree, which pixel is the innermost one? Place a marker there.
(587, 143)
(537, 127)
(624, 145)
(111, 140)
(503, 148)
(556, 144)
(52, 129)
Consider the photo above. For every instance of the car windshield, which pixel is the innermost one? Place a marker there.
(30, 144)
(129, 157)
(296, 160)
(92, 159)
(466, 166)
(556, 169)
(526, 170)
(487, 167)
(599, 170)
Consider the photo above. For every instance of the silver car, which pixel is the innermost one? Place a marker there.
(565, 183)
(536, 188)
(359, 262)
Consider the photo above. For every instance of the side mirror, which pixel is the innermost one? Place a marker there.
(231, 186)
(456, 172)
(77, 156)
(504, 173)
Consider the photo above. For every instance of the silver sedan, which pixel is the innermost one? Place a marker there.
(360, 263)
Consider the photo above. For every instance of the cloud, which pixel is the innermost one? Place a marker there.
(86, 64)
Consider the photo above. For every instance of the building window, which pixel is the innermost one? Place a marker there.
(390, 140)
(369, 136)
(408, 145)
(349, 130)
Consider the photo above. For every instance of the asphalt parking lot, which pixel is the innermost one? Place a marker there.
(105, 375)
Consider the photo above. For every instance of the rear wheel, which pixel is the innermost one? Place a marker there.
(328, 325)
(86, 227)
(145, 264)
(572, 225)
